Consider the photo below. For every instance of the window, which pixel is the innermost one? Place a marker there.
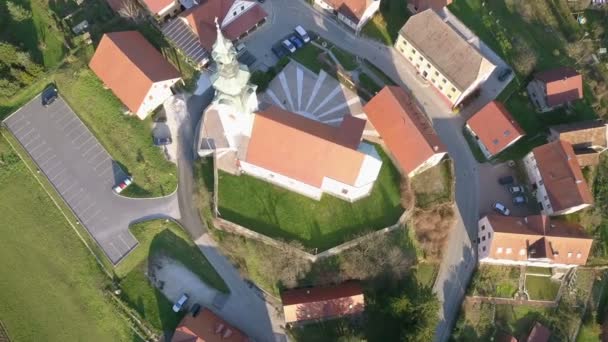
(410, 58)
(401, 49)
(540, 182)
(499, 250)
(271, 175)
(428, 65)
(449, 96)
(483, 248)
(489, 235)
(242, 8)
(432, 79)
(578, 255)
(509, 250)
(436, 73)
(440, 87)
(522, 251)
(569, 254)
(545, 197)
(495, 141)
(420, 58)
(453, 89)
(483, 238)
(483, 227)
(344, 191)
(404, 42)
(234, 13)
(413, 51)
(548, 206)
(417, 66)
(443, 80)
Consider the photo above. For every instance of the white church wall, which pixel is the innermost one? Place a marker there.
(158, 93)
(282, 181)
(236, 125)
(345, 191)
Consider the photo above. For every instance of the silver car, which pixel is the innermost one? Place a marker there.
(501, 208)
(177, 307)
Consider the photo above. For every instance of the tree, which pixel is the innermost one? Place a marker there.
(18, 12)
(129, 9)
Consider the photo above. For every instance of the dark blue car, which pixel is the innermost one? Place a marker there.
(279, 51)
(297, 42)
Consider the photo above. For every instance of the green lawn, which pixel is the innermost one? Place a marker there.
(433, 186)
(385, 25)
(426, 273)
(495, 281)
(541, 288)
(127, 138)
(51, 287)
(348, 61)
(159, 238)
(308, 57)
(538, 270)
(368, 84)
(280, 213)
(519, 320)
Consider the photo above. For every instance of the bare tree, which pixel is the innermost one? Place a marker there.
(130, 10)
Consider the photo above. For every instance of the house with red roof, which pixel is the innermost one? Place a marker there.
(536, 240)
(553, 88)
(206, 326)
(405, 131)
(134, 71)
(557, 179)
(494, 129)
(352, 13)
(162, 9)
(321, 303)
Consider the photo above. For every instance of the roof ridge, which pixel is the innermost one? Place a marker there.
(128, 55)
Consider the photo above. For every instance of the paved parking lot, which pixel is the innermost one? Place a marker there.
(79, 168)
(492, 192)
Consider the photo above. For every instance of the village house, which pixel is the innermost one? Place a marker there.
(416, 6)
(537, 240)
(353, 13)
(557, 179)
(553, 88)
(494, 129)
(134, 71)
(322, 303)
(407, 133)
(539, 333)
(162, 10)
(193, 31)
(442, 56)
(588, 139)
(206, 326)
(279, 146)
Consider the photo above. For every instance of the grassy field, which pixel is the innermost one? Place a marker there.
(434, 186)
(159, 238)
(51, 288)
(385, 25)
(308, 57)
(127, 138)
(280, 213)
(494, 281)
(368, 84)
(348, 61)
(541, 288)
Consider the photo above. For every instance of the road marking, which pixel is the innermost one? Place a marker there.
(100, 163)
(25, 135)
(86, 141)
(89, 149)
(71, 199)
(47, 171)
(46, 161)
(78, 137)
(16, 131)
(34, 139)
(92, 159)
(88, 207)
(54, 178)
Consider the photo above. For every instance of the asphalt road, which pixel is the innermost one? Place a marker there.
(459, 258)
(83, 173)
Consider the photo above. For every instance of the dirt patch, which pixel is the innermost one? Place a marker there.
(432, 227)
(173, 279)
(434, 185)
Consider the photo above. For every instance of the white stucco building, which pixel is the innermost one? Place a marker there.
(292, 150)
(352, 13)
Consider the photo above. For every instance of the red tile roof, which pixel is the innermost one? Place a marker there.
(304, 149)
(207, 327)
(404, 128)
(562, 176)
(323, 302)
(422, 5)
(563, 85)
(352, 9)
(495, 127)
(539, 333)
(202, 20)
(540, 237)
(129, 65)
(156, 6)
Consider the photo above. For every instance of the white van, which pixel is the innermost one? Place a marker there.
(302, 33)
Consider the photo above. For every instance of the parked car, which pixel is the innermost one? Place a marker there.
(296, 41)
(301, 32)
(177, 307)
(195, 309)
(506, 180)
(163, 141)
(520, 200)
(49, 95)
(240, 48)
(504, 74)
(516, 189)
(501, 208)
(123, 185)
(288, 45)
(279, 51)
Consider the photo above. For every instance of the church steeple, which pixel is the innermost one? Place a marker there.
(223, 50)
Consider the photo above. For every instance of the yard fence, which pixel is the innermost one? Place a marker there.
(234, 228)
(512, 301)
(4, 333)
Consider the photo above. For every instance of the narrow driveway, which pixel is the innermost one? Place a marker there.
(83, 173)
(245, 307)
(459, 259)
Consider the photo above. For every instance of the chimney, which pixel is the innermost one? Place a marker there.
(436, 148)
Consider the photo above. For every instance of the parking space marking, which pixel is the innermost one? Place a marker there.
(65, 190)
(42, 164)
(71, 199)
(94, 157)
(78, 137)
(40, 153)
(43, 143)
(88, 207)
(16, 131)
(61, 123)
(59, 184)
(123, 241)
(47, 171)
(34, 139)
(101, 162)
(86, 141)
(56, 176)
(84, 154)
(21, 137)
(14, 119)
(71, 129)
